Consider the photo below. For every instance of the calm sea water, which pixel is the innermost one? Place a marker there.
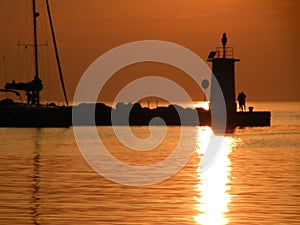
(255, 179)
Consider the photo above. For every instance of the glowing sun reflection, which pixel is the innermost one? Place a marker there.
(213, 197)
(203, 104)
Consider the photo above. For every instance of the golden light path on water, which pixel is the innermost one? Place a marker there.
(213, 186)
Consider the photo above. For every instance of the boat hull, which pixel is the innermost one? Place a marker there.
(35, 117)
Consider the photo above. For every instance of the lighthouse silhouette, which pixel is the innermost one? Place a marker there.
(223, 64)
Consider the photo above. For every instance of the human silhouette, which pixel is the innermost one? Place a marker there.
(242, 101)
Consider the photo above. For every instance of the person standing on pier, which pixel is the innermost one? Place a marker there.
(242, 101)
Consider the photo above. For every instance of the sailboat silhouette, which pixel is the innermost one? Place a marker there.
(33, 113)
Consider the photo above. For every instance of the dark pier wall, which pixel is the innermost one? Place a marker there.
(245, 119)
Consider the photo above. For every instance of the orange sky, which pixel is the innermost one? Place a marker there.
(264, 33)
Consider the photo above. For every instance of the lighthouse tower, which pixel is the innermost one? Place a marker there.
(223, 63)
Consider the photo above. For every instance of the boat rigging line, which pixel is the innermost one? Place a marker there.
(56, 53)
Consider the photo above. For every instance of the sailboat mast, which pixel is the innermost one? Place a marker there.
(35, 15)
(38, 84)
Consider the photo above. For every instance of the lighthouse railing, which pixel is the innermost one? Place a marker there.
(224, 52)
